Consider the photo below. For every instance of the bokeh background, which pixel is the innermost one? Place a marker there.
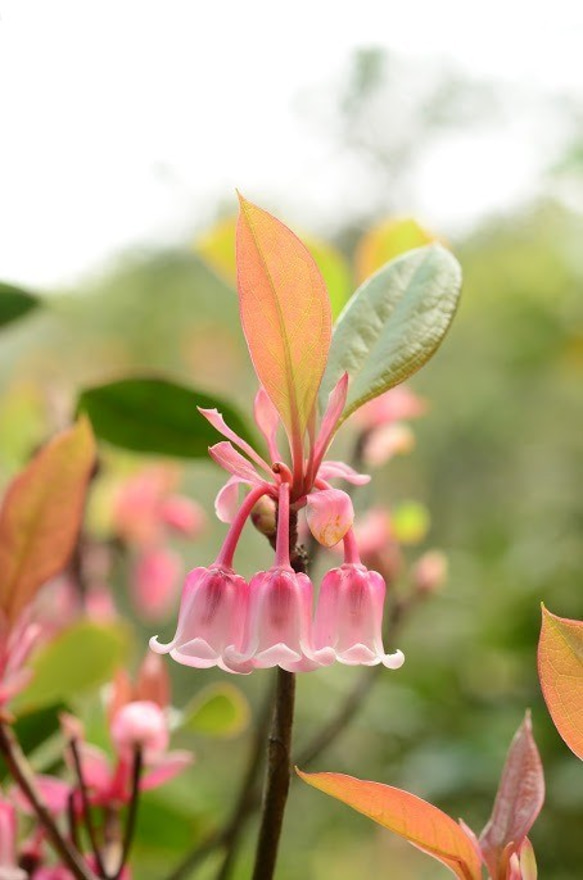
(126, 128)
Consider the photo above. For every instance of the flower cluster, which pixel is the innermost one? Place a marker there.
(225, 621)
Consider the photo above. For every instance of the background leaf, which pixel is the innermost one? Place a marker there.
(560, 669)
(519, 799)
(422, 824)
(393, 324)
(158, 416)
(15, 303)
(217, 710)
(41, 516)
(79, 659)
(285, 314)
(388, 240)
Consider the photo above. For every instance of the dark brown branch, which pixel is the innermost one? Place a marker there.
(87, 815)
(22, 773)
(132, 815)
(277, 777)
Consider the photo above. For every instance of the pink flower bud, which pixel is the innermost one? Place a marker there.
(349, 617)
(153, 681)
(182, 515)
(155, 582)
(398, 404)
(263, 516)
(279, 627)
(383, 443)
(211, 619)
(140, 724)
(430, 572)
(377, 544)
(330, 514)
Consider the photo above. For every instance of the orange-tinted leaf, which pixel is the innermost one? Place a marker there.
(422, 824)
(519, 799)
(41, 516)
(285, 314)
(386, 241)
(560, 669)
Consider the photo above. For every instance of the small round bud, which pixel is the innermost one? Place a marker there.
(430, 572)
(140, 724)
(263, 517)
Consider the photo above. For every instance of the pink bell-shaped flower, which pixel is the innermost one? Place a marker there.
(279, 621)
(349, 615)
(211, 618)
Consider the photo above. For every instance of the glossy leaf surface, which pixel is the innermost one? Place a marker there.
(285, 314)
(15, 303)
(393, 324)
(78, 660)
(518, 801)
(41, 516)
(157, 416)
(419, 822)
(560, 667)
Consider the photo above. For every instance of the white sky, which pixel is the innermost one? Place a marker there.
(97, 97)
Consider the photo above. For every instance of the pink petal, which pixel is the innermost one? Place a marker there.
(386, 441)
(331, 469)
(336, 401)
(166, 769)
(143, 724)
(153, 681)
(232, 461)
(267, 419)
(329, 514)
(227, 500)
(53, 792)
(394, 405)
(218, 422)
(96, 768)
(155, 582)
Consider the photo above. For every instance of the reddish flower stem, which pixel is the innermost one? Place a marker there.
(21, 772)
(227, 551)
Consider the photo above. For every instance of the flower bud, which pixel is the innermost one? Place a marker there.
(263, 516)
(140, 724)
(329, 514)
(182, 515)
(430, 572)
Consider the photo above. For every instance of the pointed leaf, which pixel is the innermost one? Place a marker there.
(285, 314)
(386, 241)
(15, 303)
(422, 824)
(41, 516)
(560, 669)
(518, 802)
(153, 415)
(393, 324)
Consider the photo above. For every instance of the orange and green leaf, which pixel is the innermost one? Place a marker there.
(41, 516)
(560, 669)
(285, 312)
(422, 824)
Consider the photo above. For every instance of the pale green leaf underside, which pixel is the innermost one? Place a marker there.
(393, 324)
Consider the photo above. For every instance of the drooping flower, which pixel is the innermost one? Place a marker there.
(349, 615)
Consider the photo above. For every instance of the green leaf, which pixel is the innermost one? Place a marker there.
(15, 302)
(158, 416)
(35, 728)
(77, 660)
(217, 710)
(393, 324)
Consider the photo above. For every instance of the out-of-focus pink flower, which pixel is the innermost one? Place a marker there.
(145, 507)
(329, 514)
(16, 644)
(396, 405)
(430, 571)
(155, 582)
(211, 618)
(377, 545)
(381, 421)
(99, 604)
(9, 869)
(140, 724)
(349, 617)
